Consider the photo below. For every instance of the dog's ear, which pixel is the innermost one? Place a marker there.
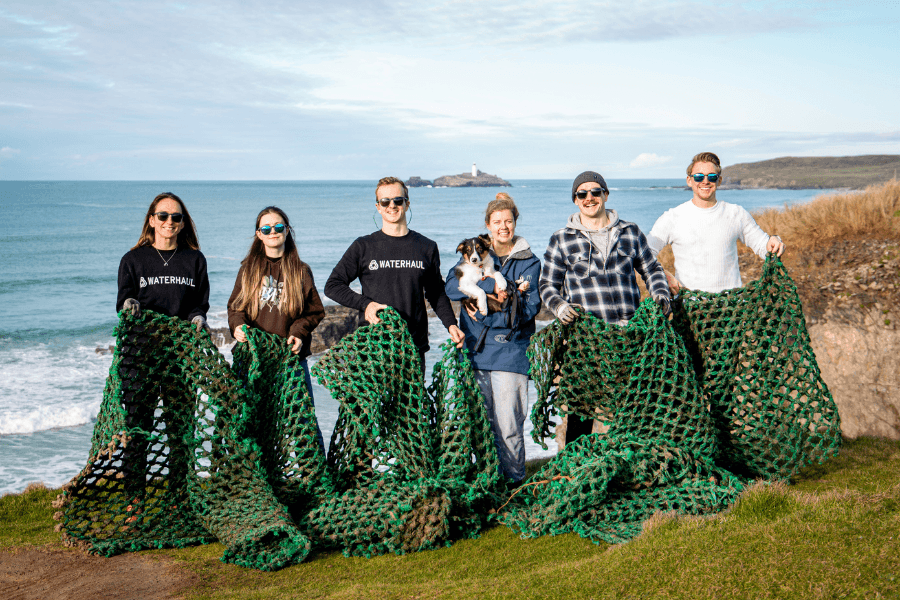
(486, 239)
(462, 247)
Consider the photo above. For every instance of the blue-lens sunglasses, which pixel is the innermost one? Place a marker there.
(267, 229)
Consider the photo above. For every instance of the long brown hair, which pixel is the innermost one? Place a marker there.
(290, 301)
(186, 237)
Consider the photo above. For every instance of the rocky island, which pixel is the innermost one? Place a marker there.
(481, 179)
(476, 178)
(812, 172)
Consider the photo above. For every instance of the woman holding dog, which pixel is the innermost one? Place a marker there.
(497, 342)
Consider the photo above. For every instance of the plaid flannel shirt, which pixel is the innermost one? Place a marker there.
(574, 272)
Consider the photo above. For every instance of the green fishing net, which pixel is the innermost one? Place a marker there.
(175, 459)
(418, 467)
(693, 408)
(188, 449)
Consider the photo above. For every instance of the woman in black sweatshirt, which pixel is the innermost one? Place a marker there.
(165, 271)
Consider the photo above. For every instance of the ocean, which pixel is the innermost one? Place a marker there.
(58, 278)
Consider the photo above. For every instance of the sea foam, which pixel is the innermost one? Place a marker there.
(46, 386)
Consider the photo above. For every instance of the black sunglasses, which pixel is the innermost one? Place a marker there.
(398, 201)
(267, 229)
(596, 193)
(164, 216)
(698, 177)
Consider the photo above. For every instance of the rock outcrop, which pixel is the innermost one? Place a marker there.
(860, 363)
(466, 180)
(338, 322)
(418, 182)
(851, 300)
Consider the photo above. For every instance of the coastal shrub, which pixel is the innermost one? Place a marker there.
(871, 212)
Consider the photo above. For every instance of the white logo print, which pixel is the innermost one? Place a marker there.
(143, 282)
(373, 265)
(270, 292)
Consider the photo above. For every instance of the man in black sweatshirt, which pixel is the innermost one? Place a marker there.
(396, 267)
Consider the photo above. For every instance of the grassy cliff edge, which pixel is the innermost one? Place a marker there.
(830, 172)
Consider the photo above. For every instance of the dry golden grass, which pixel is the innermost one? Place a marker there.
(873, 212)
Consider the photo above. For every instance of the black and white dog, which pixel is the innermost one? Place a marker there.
(477, 264)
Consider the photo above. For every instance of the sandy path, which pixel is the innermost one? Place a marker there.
(50, 574)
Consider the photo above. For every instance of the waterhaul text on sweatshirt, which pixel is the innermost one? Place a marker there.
(400, 272)
(173, 284)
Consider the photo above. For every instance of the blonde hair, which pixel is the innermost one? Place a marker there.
(705, 157)
(290, 301)
(390, 181)
(502, 201)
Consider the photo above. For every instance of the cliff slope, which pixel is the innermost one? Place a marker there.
(830, 172)
(843, 252)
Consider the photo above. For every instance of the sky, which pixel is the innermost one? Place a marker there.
(361, 89)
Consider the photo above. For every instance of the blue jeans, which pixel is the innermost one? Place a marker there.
(506, 402)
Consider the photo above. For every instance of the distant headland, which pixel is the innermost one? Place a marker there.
(825, 172)
(476, 178)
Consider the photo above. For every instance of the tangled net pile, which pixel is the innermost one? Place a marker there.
(189, 450)
(726, 392)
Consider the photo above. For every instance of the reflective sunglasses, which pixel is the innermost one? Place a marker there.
(596, 193)
(164, 216)
(267, 229)
(698, 177)
(398, 201)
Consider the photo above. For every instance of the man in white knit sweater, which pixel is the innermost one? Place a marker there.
(704, 233)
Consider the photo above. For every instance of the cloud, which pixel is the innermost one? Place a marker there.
(567, 21)
(307, 89)
(647, 159)
(6, 152)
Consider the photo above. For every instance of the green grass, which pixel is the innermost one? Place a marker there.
(27, 519)
(834, 533)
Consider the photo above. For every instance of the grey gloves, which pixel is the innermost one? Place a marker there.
(133, 305)
(663, 304)
(200, 323)
(566, 313)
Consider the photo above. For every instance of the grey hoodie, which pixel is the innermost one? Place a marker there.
(601, 239)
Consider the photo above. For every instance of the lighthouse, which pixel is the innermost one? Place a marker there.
(474, 171)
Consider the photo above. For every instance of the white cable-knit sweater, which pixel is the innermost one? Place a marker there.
(704, 243)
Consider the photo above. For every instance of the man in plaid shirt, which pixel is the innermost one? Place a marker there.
(591, 263)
